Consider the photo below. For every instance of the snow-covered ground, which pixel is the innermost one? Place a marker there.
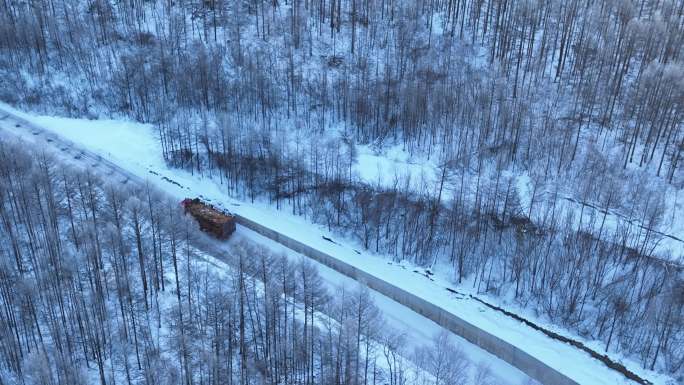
(135, 148)
(393, 164)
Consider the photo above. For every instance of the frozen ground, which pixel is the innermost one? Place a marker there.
(135, 148)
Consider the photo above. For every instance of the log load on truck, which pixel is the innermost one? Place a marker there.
(211, 220)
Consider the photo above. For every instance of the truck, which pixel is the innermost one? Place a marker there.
(211, 220)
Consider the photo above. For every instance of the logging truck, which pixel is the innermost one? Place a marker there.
(211, 220)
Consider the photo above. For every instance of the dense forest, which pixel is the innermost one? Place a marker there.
(106, 285)
(271, 98)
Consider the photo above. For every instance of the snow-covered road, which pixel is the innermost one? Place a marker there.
(131, 152)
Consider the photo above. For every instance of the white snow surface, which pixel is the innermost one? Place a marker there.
(393, 165)
(135, 147)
